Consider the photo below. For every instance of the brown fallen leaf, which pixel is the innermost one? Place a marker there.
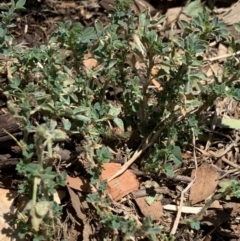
(121, 185)
(80, 183)
(222, 50)
(139, 6)
(89, 62)
(205, 184)
(216, 204)
(174, 14)
(233, 14)
(155, 210)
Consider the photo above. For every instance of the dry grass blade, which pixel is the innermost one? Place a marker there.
(223, 56)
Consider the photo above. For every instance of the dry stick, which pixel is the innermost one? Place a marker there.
(223, 56)
(221, 155)
(144, 192)
(176, 222)
(212, 154)
(228, 172)
(224, 159)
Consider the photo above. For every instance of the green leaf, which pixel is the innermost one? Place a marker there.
(119, 123)
(114, 111)
(80, 109)
(67, 111)
(229, 123)
(99, 28)
(59, 135)
(193, 224)
(4, 7)
(42, 208)
(74, 98)
(82, 118)
(89, 33)
(144, 18)
(115, 224)
(200, 47)
(22, 235)
(69, 72)
(237, 194)
(66, 124)
(176, 151)
(168, 169)
(150, 200)
(184, 23)
(20, 4)
(176, 160)
(235, 93)
(52, 125)
(194, 8)
(224, 185)
(104, 154)
(110, 64)
(237, 26)
(158, 21)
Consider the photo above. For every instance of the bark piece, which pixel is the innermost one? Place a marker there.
(11, 125)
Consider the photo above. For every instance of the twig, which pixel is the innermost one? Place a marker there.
(145, 192)
(227, 173)
(221, 155)
(223, 56)
(182, 178)
(213, 154)
(185, 209)
(230, 163)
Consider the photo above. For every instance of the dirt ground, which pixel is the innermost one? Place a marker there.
(220, 222)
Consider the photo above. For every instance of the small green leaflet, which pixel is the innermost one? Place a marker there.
(114, 111)
(119, 123)
(150, 200)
